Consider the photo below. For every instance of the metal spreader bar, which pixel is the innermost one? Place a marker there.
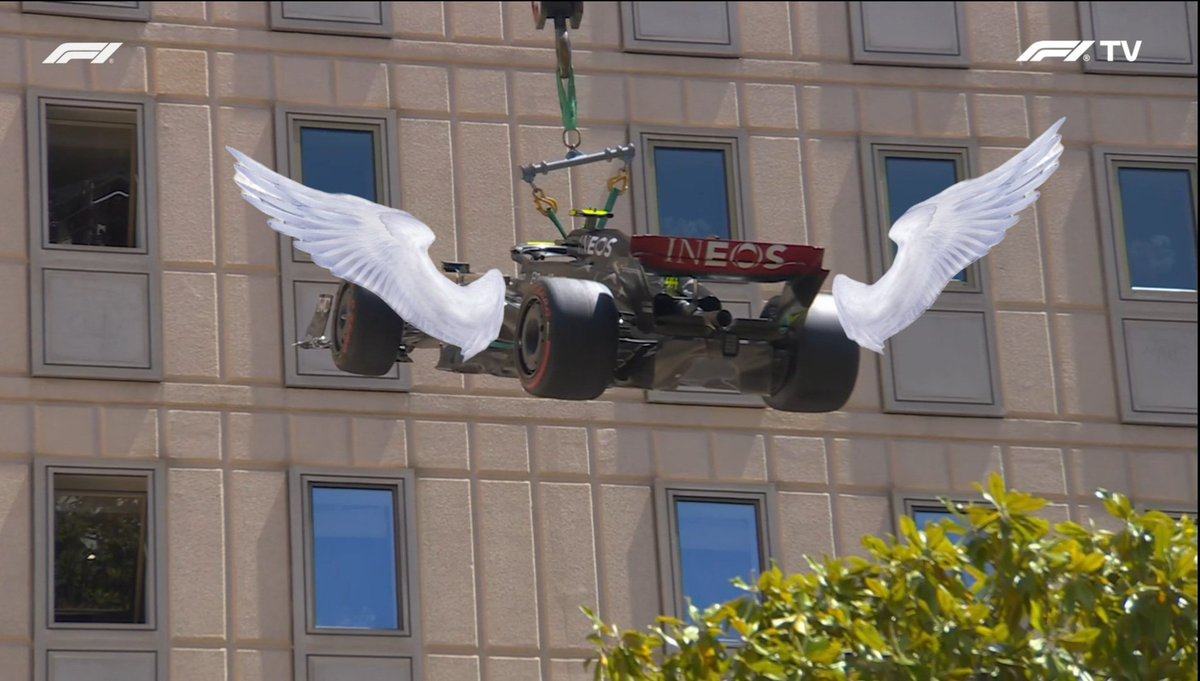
(625, 152)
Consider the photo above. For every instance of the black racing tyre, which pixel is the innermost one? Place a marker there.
(822, 364)
(366, 332)
(566, 341)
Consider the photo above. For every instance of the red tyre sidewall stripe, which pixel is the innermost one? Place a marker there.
(535, 380)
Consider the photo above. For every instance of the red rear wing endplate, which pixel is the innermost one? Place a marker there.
(749, 260)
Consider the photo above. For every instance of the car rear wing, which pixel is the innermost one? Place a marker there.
(719, 258)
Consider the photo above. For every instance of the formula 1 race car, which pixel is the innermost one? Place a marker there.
(599, 309)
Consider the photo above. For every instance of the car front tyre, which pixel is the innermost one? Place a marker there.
(366, 332)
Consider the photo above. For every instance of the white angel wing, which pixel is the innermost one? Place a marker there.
(382, 249)
(939, 237)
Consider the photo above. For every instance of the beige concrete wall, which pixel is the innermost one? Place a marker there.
(528, 508)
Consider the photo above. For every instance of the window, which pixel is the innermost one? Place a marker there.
(696, 28)
(1166, 30)
(353, 553)
(101, 548)
(91, 168)
(94, 294)
(945, 363)
(344, 18)
(692, 186)
(908, 33)
(1148, 209)
(712, 537)
(98, 566)
(124, 11)
(339, 154)
(1158, 226)
(352, 565)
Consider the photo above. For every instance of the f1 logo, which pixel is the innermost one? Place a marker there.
(1074, 50)
(97, 53)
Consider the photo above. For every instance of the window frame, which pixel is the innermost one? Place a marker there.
(90, 10)
(1123, 305)
(972, 297)
(630, 42)
(49, 636)
(862, 54)
(1087, 31)
(670, 562)
(311, 641)
(297, 269)
(280, 22)
(142, 261)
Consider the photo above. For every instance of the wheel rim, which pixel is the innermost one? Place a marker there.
(531, 341)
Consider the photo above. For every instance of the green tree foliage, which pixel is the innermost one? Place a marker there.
(999, 594)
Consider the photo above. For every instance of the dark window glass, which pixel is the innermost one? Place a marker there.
(339, 161)
(354, 557)
(913, 180)
(718, 541)
(100, 549)
(693, 192)
(1158, 212)
(91, 176)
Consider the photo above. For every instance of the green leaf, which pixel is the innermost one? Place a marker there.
(1024, 503)
(866, 633)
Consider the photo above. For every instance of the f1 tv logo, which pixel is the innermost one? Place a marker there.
(97, 53)
(1072, 50)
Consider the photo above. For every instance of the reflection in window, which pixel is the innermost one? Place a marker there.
(91, 176)
(1158, 214)
(100, 548)
(339, 161)
(718, 541)
(692, 191)
(354, 557)
(911, 180)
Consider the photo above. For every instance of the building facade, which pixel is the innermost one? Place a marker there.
(185, 495)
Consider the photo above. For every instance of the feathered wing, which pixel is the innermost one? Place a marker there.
(382, 249)
(939, 237)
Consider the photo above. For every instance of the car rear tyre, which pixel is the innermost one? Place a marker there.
(366, 332)
(566, 343)
(822, 364)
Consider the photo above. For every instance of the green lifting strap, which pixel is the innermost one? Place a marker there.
(566, 100)
(608, 206)
(557, 224)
